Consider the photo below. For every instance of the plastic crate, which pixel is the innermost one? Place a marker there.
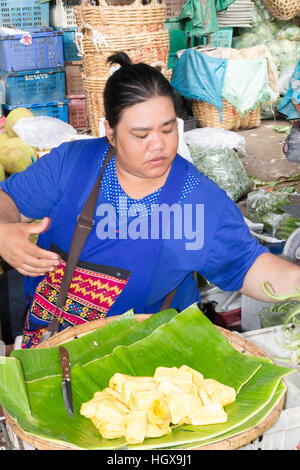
(172, 61)
(78, 116)
(285, 433)
(173, 24)
(223, 38)
(74, 83)
(189, 123)
(34, 86)
(178, 40)
(70, 48)
(23, 14)
(62, 15)
(56, 109)
(45, 52)
(173, 7)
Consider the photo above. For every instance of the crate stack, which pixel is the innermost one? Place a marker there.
(32, 62)
(136, 29)
(62, 18)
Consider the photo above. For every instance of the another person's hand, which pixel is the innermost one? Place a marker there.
(20, 253)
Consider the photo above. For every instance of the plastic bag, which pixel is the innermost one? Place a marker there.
(224, 167)
(44, 132)
(212, 138)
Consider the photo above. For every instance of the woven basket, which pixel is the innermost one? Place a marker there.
(239, 343)
(283, 9)
(123, 17)
(207, 115)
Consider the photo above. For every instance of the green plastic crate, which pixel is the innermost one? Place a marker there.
(223, 38)
(178, 40)
(173, 24)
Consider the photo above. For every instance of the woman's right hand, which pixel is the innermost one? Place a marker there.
(23, 255)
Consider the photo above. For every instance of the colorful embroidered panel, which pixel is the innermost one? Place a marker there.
(90, 296)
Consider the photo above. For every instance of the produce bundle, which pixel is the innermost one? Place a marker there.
(224, 167)
(290, 338)
(263, 207)
(281, 37)
(139, 407)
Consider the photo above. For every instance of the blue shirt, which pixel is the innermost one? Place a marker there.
(228, 249)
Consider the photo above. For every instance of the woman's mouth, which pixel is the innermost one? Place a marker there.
(157, 161)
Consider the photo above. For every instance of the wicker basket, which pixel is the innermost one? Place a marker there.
(115, 18)
(235, 442)
(283, 9)
(207, 115)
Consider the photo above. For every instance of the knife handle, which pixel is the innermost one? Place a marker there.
(65, 363)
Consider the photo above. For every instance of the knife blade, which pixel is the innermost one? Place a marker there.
(66, 382)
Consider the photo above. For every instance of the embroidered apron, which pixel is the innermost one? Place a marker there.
(98, 288)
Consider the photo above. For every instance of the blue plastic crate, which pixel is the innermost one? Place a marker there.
(45, 52)
(70, 48)
(23, 14)
(56, 109)
(34, 86)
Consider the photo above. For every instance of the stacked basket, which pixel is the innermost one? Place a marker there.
(103, 30)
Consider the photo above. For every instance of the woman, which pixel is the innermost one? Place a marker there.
(157, 218)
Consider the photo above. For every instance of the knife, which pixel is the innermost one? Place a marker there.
(66, 382)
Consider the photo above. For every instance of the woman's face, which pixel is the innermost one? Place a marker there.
(146, 138)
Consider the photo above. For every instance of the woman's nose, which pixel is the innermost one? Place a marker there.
(156, 142)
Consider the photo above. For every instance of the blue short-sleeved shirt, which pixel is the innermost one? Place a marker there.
(224, 258)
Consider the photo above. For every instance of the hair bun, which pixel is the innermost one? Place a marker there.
(120, 58)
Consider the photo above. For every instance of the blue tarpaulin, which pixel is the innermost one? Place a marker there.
(293, 94)
(200, 77)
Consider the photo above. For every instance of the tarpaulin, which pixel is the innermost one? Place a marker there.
(200, 77)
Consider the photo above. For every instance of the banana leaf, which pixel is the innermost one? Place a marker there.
(123, 330)
(188, 338)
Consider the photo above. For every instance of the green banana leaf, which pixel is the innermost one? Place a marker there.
(188, 338)
(125, 330)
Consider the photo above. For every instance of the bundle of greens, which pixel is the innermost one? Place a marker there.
(291, 323)
(263, 207)
(224, 167)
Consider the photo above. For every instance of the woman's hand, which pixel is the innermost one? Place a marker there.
(20, 253)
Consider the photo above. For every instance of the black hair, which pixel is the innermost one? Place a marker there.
(132, 84)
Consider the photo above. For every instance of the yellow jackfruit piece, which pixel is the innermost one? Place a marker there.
(154, 430)
(135, 427)
(13, 117)
(3, 138)
(155, 406)
(15, 155)
(209, 414)
(182, 406)
(219, 393)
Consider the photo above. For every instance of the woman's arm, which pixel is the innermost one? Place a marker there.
(15, 247)
(283, 275)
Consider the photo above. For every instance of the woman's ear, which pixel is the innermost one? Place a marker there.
(109, 133)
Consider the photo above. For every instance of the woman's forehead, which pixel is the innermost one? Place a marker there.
(157, 111)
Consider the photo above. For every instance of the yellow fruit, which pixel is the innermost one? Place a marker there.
(2, 173)
(15, 155)
(13, 117)
(3, 138)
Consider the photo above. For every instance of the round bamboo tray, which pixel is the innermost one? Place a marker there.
(283, 9)
(238, 342)
(207, 115)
